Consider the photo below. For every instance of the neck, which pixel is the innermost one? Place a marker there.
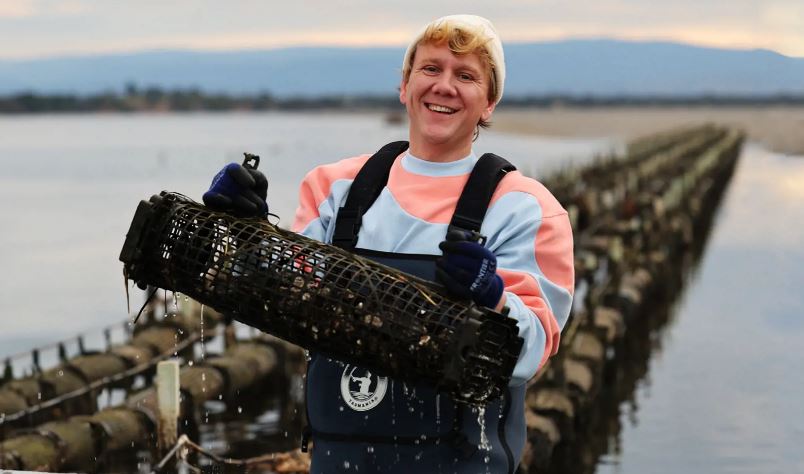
(439, 152)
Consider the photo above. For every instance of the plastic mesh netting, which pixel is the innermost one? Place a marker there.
(321, 297)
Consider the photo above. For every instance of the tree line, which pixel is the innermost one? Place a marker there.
(155, 99)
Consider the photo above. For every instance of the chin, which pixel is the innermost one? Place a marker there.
(446, 137)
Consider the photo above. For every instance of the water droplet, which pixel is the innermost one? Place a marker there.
(240, 409)
(481, 420)
(61, 373)
(346, 464)
(190, 363)
(340, 408)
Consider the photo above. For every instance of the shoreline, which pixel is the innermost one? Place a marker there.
(779, 128)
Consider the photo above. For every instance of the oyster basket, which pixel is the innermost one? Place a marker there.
(321, 297)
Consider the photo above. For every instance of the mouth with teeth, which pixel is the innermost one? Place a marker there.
(440, 109)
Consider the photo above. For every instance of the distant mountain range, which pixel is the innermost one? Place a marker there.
(573, 67)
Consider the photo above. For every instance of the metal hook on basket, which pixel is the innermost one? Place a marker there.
(249, 157)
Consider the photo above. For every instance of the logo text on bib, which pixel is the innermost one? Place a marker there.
(361, 389)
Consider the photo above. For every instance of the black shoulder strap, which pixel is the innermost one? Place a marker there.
(476, 196)
(365, 189)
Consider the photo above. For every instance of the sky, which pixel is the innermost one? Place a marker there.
(44, 28)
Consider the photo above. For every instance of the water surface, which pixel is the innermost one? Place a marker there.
(724, 389)
(69, 185)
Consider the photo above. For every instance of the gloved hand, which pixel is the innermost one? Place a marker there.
(469, 270)
(238, 190)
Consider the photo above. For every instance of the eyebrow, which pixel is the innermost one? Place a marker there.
(463, 67)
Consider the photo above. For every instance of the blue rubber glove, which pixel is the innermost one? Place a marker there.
(469, 270)
(238, 190)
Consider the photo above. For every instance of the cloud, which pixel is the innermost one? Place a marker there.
(17, 9)
(787, 20)
(48, 27)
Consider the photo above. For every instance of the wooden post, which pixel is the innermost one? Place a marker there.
(167, 394)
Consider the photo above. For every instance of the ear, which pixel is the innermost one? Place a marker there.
(403, 89)
(488, 111)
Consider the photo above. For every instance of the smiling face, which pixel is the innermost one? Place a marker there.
(446, 96)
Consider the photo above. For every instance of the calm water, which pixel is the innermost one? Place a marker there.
(69, 186)
(722, 393)
(724, 389)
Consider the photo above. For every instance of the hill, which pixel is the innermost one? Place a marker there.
(600, 67)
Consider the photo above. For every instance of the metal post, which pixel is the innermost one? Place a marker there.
(8, 373)
(37, 369)
(167, 394)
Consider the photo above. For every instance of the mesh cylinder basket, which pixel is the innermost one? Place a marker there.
(321, 297)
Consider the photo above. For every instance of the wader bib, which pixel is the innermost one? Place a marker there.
(363, 422)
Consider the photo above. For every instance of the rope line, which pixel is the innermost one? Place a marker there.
(285, 462)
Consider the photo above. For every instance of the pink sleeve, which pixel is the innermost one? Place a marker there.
(537, 263)
(316, 188)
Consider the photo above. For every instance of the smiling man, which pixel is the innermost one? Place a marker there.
(433, 208)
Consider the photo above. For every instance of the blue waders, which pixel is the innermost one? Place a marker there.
(363, 422)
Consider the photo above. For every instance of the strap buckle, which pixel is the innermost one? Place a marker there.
(466, 225)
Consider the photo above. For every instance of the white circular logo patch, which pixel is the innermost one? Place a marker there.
(361, 389)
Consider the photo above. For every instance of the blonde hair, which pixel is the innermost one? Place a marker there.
(461, 39)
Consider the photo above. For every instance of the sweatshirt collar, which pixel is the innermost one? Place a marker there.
(416, 165)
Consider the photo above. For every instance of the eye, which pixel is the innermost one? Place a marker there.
(429, 69)
(465, 76)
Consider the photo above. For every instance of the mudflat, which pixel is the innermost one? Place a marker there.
(780, 128)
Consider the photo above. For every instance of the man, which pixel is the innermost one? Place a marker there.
(452, 79)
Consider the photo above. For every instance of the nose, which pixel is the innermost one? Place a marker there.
(445, 84)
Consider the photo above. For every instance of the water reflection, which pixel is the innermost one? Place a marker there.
(710, 383)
